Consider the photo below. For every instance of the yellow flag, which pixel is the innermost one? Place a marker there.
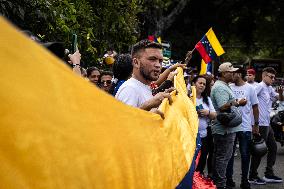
(59, 131)
(203, 69)
(159, 40)
(214, 42)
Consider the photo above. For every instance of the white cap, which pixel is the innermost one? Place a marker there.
(227, 67)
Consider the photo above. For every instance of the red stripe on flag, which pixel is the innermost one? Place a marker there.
(203, 52)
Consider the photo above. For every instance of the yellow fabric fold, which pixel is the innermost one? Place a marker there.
(59, 131)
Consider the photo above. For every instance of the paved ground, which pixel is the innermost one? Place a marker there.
(279, 170)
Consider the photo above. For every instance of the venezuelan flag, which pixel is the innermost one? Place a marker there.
(209, 47)
(205, 68)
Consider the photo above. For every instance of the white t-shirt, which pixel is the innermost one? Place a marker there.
(245, 91)
(203, 121)
(266, 95)
(134, 92)
(254, 84)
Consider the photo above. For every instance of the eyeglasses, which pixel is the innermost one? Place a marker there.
(108, 82)
(271, 76)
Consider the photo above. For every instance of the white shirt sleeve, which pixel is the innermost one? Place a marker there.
(211, 107)
(253, 96)
(128, 95)
(258, 89)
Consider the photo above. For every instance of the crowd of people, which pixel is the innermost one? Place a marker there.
(139, 80)
(236, 88)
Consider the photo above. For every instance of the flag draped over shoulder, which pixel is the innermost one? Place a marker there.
(59, 131)
(209, 47)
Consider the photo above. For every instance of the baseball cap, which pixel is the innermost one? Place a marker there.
(251, 71)
(227, 67)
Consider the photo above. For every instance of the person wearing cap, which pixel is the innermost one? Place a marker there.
(241, 89)
(251, 80)
(266, 95)
(224, 137)
(251, 77)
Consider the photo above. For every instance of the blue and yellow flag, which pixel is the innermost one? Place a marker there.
(59, 131)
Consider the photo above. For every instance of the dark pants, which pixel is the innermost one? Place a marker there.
(203, 156)
(206, 153)
(223, 150)
(268, 135)
(244, 138)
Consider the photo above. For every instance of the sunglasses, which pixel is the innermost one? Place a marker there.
(271, 76)
(108, 82)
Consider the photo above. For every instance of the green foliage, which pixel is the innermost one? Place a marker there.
(100, 25)
(245, 28)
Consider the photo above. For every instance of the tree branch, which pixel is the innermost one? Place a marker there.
(167, 21)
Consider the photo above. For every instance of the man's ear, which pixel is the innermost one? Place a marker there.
(135, 63)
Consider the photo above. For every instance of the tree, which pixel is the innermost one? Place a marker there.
(159, 15)
(244, 28)
(100, 24)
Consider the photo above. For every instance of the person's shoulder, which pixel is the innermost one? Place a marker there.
(130, 83)
(219, 86)
(232, 85)
(248, 86)
(128, 88)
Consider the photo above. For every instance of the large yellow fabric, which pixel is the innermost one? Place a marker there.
(59, 131)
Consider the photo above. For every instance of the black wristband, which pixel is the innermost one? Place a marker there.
(74, 65)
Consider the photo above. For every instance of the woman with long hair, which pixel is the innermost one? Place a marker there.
(206, 113)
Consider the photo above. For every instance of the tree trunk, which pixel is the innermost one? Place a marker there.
(163, 23)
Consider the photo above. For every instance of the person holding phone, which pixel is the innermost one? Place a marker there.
(206, 112)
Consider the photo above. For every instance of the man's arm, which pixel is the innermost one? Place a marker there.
(155, 101)
(166, 73)
(75, 62)
(237, 103)
(255, 128)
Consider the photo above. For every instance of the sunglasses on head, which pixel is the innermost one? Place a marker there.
(107, 82)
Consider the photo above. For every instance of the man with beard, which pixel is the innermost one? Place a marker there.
(147, 61)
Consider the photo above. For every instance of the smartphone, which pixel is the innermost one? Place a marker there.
(200, 107)
(74, 43)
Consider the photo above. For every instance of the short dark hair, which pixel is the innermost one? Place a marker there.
(142, 45)
(105, 73)
(242, 71)
(91, 69)
(122, 67)
(269, 70)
